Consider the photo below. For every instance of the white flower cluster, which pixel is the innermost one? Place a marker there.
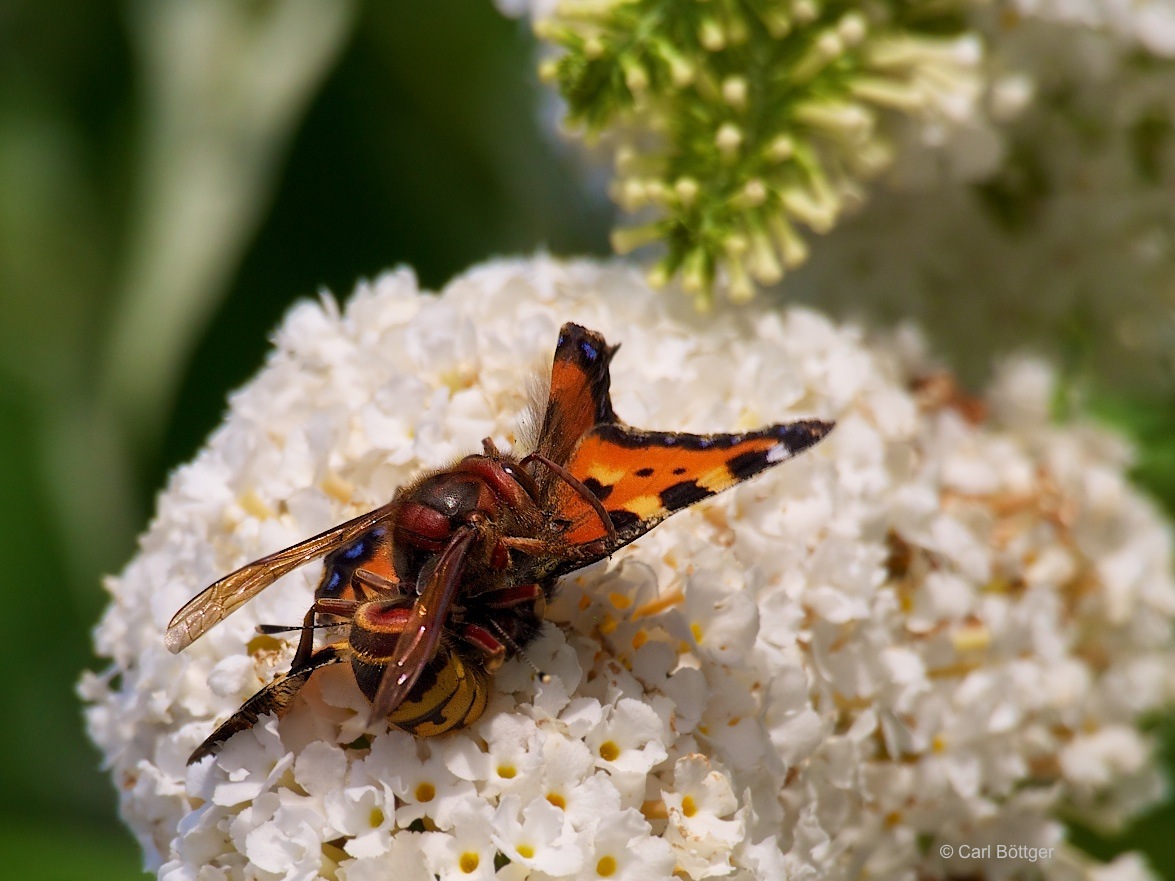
(940, 625)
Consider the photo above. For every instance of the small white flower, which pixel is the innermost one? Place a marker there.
(467, 852)
(425, 788)
(622, 850)
(366, 815)
(252, 765)
(722, 620)
(705, 824)
(629, 740)
(1095, 760)
(281, 834)
(319, 768)
(404, 862)
(538, 836)
(571, 783)
(513, 757)
(732, 722)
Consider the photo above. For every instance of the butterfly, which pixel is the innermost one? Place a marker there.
(437, 588)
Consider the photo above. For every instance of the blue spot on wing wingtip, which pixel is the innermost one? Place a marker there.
(574, 337)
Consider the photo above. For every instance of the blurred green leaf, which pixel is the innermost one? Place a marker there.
(41, 852)
(1149, 420)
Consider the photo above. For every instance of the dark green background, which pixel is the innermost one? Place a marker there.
(422, 147)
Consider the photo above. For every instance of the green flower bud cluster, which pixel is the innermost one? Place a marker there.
(734, 121)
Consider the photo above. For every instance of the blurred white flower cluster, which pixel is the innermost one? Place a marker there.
(1046, 219)
(1149, 22)
(940, 626)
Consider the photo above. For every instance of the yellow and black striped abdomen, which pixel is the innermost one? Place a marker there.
(451, 693)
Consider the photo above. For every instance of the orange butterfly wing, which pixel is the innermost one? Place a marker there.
(580, 396)
(640, 477)
(644, 476)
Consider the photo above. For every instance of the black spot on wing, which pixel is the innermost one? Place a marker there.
(643, 472)
(597, 489)
(682, 495)
(679, 470)
(792, 438)
(798, 436)
(622, 519)
(746, 465)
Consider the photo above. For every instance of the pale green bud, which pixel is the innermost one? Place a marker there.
(686, 189)
(792, 248)
(753, 194)
(630, 238)
(805, 11)
(781, 148)
(728, 139)
(734, 92)
(852, 28)
(763, 263)
(711, 36)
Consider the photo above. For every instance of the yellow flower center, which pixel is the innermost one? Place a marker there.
(609, 751)
(507, 772)
(557, 800)
(425, 792)
(688, 806)
(376, 818)
(469, 862)
(525, 851)
(606, 867)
